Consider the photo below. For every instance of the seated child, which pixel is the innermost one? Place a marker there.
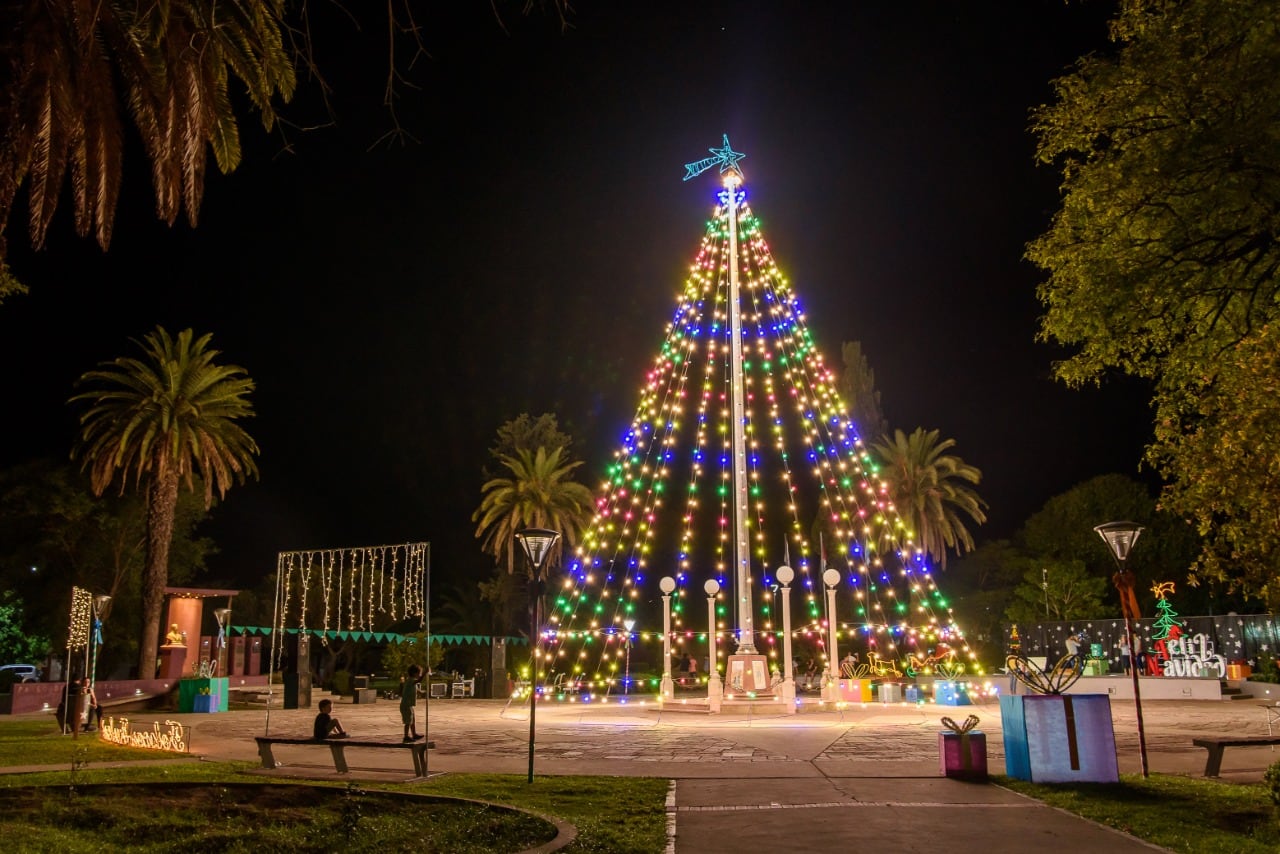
(327, 726)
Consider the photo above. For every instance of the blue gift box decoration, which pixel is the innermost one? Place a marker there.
(912, 693)
(949, 693)
(1055, 737)
(1059, 738)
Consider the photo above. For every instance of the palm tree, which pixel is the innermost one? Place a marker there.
(539, 494)
(159, 421)
(77, 67)
(928, 486)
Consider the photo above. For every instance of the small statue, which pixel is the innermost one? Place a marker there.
(175, 637)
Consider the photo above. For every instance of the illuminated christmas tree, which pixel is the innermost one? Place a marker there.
(741, 456)
(1167, 624)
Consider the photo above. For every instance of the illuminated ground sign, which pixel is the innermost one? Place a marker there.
(169, 736)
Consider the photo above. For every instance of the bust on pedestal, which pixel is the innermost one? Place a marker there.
(173, 654)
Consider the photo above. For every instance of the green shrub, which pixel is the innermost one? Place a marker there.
(1267, 670)
(1272, 779)
(341, 682)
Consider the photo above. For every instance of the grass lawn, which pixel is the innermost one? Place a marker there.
(1187, 814)
(222, 806)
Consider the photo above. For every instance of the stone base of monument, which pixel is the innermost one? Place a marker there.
(748, 676)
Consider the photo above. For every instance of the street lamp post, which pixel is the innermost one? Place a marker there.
(1120, 537)
(714, 689)
(626, 677)
(537, 544)
(830, 688)
(223, 616)
(668, 586)
(785, 574)
(1044, 582)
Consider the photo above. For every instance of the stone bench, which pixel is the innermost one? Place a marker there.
(339, 746)
(1216, 744)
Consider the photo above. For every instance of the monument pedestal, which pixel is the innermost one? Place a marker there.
(173, 657)
(748, 674)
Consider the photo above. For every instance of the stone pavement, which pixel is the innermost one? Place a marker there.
(818, 781)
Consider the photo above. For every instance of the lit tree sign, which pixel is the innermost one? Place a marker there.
(170, 736)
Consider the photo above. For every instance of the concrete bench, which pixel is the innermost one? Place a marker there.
(339, 746)
(1216, 744)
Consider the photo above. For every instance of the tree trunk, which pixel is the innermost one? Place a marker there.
(162, 501)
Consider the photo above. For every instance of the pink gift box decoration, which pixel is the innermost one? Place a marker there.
(854, 690)
(962, 750)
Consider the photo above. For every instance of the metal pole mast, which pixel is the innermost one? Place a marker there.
(737, 394)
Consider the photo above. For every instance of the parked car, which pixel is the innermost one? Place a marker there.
(11, 673)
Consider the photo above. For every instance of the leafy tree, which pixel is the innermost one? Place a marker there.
(858, 389)
(929, 488)
(50, 520)
(980, 586)
(79, 68)
(17, 645)
(157, 422)
(397, 657)
(526, 433)
(463, 609)
(1162, 260)
(1223, 463)
(1072, 594)
(1063, 528)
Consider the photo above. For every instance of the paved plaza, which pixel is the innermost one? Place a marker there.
(818, 781)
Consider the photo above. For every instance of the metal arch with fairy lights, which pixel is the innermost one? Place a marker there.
(726, 158)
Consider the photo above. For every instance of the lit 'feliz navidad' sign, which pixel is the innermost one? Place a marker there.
(172, 738)
(1193, 656)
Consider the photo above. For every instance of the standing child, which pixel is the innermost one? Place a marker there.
(408, 700)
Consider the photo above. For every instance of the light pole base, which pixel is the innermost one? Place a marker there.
(788, 688)
(668, 687)
(715, 691)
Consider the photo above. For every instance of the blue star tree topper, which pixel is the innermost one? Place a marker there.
(726, 158)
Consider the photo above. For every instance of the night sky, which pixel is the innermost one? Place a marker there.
(396, 303)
